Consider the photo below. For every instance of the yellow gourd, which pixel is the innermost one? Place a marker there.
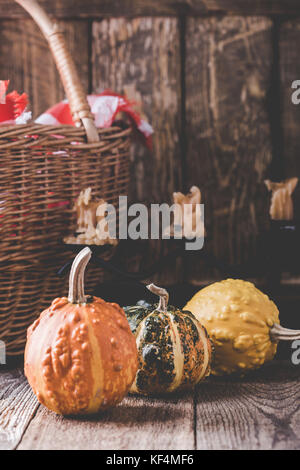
(242, 322)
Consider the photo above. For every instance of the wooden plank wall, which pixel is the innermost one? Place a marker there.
(228, 65)
(214, 79)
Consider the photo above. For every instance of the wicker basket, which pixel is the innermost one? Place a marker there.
(43, 169)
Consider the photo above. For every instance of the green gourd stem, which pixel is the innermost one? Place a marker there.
(279, 333)
(76, 279)
(163, 296)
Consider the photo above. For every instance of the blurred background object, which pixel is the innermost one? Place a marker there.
(215, 81)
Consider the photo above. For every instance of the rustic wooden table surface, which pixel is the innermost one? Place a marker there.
(261, 411)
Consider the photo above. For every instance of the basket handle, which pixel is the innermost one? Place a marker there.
(79, 106)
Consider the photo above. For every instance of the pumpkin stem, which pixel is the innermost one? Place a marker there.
(76, 279)
(163, 296)
(279, 333)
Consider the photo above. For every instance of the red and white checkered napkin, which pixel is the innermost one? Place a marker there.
(105, 108)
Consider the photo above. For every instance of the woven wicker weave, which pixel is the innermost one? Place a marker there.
(42, 171)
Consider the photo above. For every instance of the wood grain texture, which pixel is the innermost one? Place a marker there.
(26, 60)
(94, 8)
(141, 58)
(261, 411)
(17, 407)
(289, 37)
(228, 67)
(136, 424)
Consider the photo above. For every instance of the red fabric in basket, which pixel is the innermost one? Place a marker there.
(105, 107)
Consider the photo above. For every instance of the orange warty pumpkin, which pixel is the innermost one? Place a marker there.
(80, 355)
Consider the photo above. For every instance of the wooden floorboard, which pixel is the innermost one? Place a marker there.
(17, 407)
(135, 424)
(260, 411)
